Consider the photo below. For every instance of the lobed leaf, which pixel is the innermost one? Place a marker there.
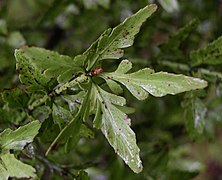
(37, 66)
(11, 167)
(17, 139)
(115, 127)
(159, 84)
(112, 41)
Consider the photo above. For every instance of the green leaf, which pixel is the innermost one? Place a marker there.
(16, 98)
(211, 54)
(72, 129)
(116, 129)
(195, 114)
(82, 175)
(41, 113)
(61, 115)
(73, 141)
(176, 39)
(11, 167)
(17, 139)
(110, 43)
(159, 84)
(37, 66)
(114, 87)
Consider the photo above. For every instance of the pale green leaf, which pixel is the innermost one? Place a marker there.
(36, 66)
(18, 138)
(114, 87)
(124, 67)
(11, 167)
(211, 54)
(16, 39)
(110, 43)
(159, 84)
(116, 129)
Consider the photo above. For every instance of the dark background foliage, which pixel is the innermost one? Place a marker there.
(170, 146)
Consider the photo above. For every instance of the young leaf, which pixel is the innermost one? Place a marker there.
(159, 84)
(112, 41)
(17, 139)
(11, 167)
(211, 54)
(116, 129)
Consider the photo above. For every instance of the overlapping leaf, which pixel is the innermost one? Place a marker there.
(159, 84)
(112, 41)
(115, 127)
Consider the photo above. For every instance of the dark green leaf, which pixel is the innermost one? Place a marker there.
(15, 98)
(175, 40)
(211, 54)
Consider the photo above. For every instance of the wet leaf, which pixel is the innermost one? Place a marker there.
(159, 84)
(11, 167)
(18, 138)
(117, 130)
(110, 43)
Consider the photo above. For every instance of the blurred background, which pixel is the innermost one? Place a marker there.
(171, 146)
